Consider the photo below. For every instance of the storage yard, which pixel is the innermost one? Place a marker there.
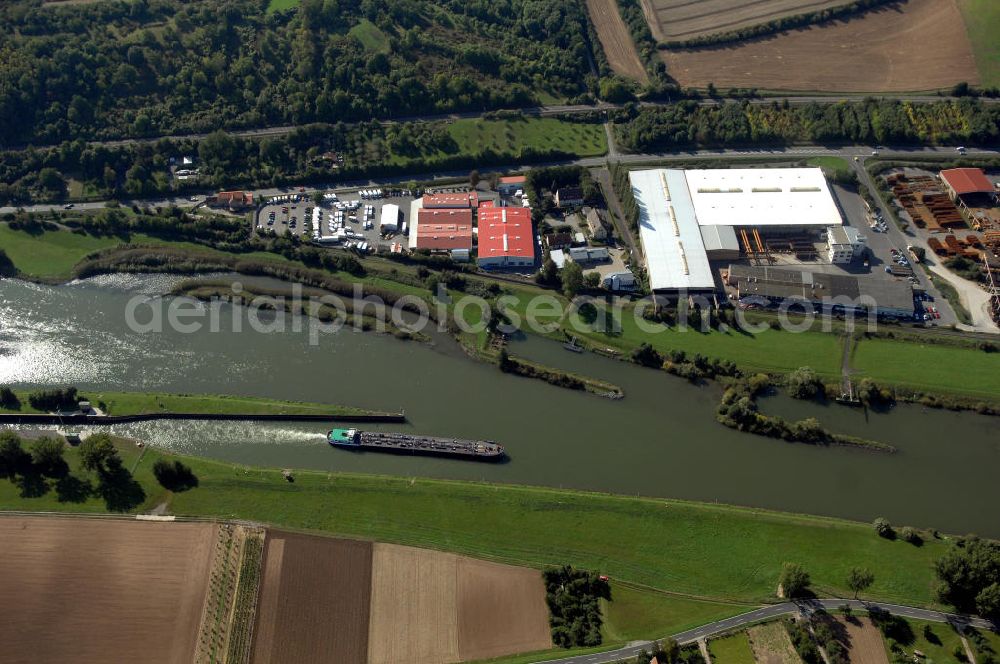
(921, 45)
(680, 20)
(616, 40)
(126, 591)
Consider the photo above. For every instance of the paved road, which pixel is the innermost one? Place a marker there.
(537, 111)
(774, 611)
(796, 153)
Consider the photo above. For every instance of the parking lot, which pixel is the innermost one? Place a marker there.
(348, 219)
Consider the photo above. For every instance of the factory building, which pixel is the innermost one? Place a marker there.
(824, 293)
(687, 218)
(505, 237)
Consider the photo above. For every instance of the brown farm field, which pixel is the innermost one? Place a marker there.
(314, 600)
(501, 609)
(431, 608)
(680, 20)
(93, 590)
(919, 46)
(865, 645)
(771, 644)
(616, 40)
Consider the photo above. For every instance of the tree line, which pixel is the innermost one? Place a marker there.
(872, 121)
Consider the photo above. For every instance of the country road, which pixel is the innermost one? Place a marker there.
(774, 611)
(534, 111)
(797, 153)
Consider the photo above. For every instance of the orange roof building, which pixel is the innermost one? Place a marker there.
(966, 181)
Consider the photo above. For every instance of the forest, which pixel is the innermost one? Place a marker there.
(872, 121)
(143, 68)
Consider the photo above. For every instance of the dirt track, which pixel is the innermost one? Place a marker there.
(922, 46)
(501, 610)
(683, 19)
(314, 600)
(616, 40)
(88, 590)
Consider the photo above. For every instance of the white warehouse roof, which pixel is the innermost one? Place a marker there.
(671, 238)
(390, 217)
(762, 197)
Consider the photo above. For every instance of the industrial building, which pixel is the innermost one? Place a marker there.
(970, 185)
(844, 244)
(466, 200)
(505, 237)
(687, 218)
(619, 281)
(511, 184)
(441, 229)
(389, 219)
(823, 293)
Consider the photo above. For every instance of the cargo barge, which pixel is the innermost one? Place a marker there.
(404, 443)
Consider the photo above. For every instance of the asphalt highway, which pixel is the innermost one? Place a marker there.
(770, 612)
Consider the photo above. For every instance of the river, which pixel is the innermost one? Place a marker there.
(661, 440)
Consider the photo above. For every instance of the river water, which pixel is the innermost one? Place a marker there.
(661, 440)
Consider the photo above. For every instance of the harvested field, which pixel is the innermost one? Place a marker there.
(771, 644)
(89, 590)
(414, 616)
(616, 40)
(501, 610)
(919, 46)
(430, 607)
(314, 600)
(865, 641)
(680, 20)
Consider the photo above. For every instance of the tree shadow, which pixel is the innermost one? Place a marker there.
(31, 485)
(71, 489)
(892, 627)
(119, 489)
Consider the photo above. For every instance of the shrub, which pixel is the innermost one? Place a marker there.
(883, 528)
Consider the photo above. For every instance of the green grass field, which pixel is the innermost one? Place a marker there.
(982, 21)
(49, 255)
(637, 615)
(281, 5)
(713, 552)
(734, 649)
(937, 641)
(513, 136)
(366, 32)
(133, 403)
(929, 367)
(833, 166)
(769, 350)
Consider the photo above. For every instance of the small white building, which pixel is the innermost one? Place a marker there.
(844, 244)
(558, 257)
(389, 221)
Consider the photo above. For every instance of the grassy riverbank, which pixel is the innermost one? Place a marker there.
(137, 403)
(948, 366)
(711, 552)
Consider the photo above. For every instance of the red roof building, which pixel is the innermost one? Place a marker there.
(231, 199)
(506, 237)
(965, 181)
(443, 229)
(469, 200)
